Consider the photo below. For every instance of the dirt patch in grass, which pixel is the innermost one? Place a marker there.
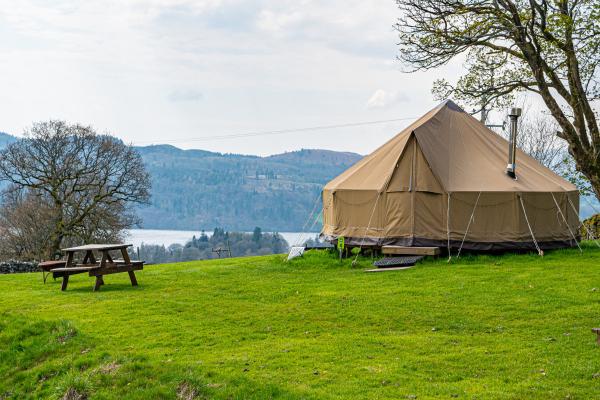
(110, 368)
(185, 391)
(73, 394)
(65, 335)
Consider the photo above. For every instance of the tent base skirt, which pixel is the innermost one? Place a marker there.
(454, 244)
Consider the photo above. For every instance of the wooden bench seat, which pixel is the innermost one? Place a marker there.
(114, 269)
(75, 269)
(119, 261)
(48, 266)
(66, 272)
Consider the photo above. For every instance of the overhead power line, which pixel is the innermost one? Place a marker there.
(277, 132)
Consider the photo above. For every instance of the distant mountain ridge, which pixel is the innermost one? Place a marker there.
(197, 189)
(6, 139)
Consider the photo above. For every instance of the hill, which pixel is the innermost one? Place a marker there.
(197, 189)
(6, 139)
(488, 327)
(194, 189)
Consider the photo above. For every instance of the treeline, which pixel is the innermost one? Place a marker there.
(219, 245)
(192, 188)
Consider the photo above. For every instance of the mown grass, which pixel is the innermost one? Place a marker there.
(482, 327)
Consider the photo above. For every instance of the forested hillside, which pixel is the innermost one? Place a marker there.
(195, 189)
(5, 139)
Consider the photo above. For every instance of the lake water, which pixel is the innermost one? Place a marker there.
(167, 237)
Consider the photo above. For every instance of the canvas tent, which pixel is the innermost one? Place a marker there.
(442, 182)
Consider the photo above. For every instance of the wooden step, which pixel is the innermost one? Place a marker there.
(388, 269)
(402, 261)
(407, 250)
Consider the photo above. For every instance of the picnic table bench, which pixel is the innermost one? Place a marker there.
(107, 265)
(48, 266)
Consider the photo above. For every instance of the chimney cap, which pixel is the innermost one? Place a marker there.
(515, 112)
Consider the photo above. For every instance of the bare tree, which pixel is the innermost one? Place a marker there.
(550, 48)
(25, 226)
(88, 184)
(537, 137)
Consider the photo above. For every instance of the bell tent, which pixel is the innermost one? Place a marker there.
(442, 182)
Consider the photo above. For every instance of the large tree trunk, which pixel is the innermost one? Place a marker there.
(546, 47)
(587, 164)
(58, 234)
(55, 246)
(580, 131)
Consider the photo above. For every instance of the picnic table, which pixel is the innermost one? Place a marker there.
(107, 265)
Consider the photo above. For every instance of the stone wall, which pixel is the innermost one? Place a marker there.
(15, 267)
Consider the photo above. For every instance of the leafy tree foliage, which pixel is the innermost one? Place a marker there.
(550, 48)
(201, 248)
(537, 137)
(590, 228)
(72, 185)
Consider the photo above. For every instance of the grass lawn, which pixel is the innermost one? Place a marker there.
(487, 327)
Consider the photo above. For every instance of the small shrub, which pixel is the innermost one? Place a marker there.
(591, 227)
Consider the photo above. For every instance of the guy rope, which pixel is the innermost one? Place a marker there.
(590, 234)
(471, 219)
(362, 242)
(566, 222)
(540, 252)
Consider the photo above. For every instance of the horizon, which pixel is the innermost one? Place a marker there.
(223, 153)
(172, 71)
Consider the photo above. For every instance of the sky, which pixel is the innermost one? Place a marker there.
(183, 71)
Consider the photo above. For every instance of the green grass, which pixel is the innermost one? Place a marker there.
(487, 327)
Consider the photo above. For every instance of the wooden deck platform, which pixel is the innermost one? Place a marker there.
(407, 250)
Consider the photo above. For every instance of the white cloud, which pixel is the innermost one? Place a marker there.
(186, 95)
(276, 22)
(383, 99)
(135, 67)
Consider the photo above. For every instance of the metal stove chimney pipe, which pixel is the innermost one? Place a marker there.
(514, 115)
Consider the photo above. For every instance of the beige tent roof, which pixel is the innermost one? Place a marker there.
(463, 154)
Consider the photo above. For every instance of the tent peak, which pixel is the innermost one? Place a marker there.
(451, 105)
